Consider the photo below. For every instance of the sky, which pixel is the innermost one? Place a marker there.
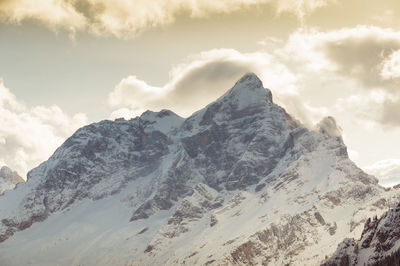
(68, 63)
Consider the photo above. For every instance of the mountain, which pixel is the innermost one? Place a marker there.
(387, 171)
(8, 179)
(379, 243)
(238, 182)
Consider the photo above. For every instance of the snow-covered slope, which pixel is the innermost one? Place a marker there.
(379, 243)
(387, 172)
(8, 179)
(238, 182)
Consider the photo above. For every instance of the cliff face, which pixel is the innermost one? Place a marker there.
(379, 243)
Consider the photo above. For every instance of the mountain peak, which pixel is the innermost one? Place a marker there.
(250, 82)
(163, 121)
(250, 79)
(8, 174)
(329, 126)
(5, 170)
(248, 91)
(8, 179)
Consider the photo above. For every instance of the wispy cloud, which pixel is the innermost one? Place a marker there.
(52, 13)
(378, 107)
(367, 54)
(387, 171)
(127, 18)
(29, 136)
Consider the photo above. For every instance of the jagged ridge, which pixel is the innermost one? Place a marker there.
(378, 245)
(240, 176)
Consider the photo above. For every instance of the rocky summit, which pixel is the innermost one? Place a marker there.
(379, 243)
(240, 182)
(8, 179)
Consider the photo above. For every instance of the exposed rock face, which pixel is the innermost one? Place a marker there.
(239, 181)
(379, 243)
(230, 143)
(8, 179)
(97, 161)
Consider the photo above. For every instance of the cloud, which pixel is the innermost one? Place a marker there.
(192, 84)
(127, 18)
(378, 107)
(306, 113)
(365, 53)
(387, 171)
(329, 126)
(29, 136)
(362, 62)
(391, 110)
(132, 91)
(53, 13)
(301, 7)
(391, 66)
(205, 77)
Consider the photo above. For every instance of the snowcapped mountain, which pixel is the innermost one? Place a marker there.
(8, 179)
(387, 171)
(379, 243)
(238, 182)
